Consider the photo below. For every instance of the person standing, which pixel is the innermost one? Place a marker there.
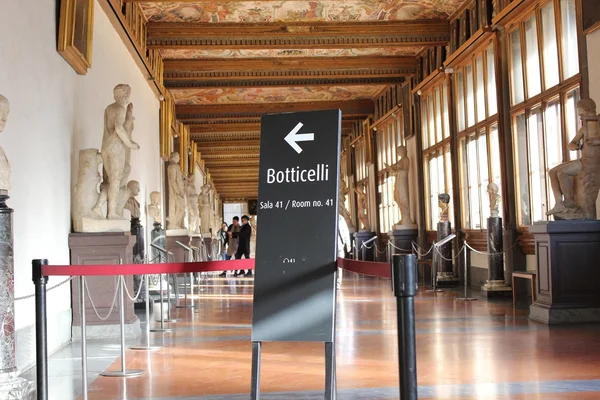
(232, 243)
(243, 248)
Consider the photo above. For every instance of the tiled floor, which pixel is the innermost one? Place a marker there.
(479, 350)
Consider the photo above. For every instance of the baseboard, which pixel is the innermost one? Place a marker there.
(59, 335)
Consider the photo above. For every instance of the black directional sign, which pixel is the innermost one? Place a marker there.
(294, 284)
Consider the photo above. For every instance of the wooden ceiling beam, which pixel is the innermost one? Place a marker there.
(225, 154)
(295, 35)
(222, 128)
(207, 146)
(241, 82)
(363, 107)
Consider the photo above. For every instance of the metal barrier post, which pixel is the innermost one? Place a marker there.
(405, 285)
(41, 338)
(84, 384)
(123, 373)
(434, 265)
(466, 277)
(186, 277)
(147, 345)
(162, 304)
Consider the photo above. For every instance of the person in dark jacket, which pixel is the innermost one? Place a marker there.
(243, 237)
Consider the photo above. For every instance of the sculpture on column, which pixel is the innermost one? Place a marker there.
(575, 183)
(363, 208)
(401, 192)
(192, 205)
(175, 219)
(492, 189)
(342, 204)
(11, 385)
(116, 149)
(5, 184)
(444, 203)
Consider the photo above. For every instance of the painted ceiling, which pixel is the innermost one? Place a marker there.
(274, 94)
(265, 53)
(296, 11)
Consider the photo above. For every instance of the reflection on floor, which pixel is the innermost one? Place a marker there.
(478, 350)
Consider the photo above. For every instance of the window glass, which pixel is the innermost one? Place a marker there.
(448, 182)
(572, 120)
(434, 178)
(445, 111)
(491, 82)
(474, 200)
(551, 73)
(569, 38)
(480, 84)
(521, 168)
(554, 156)
(483, 178)
(438, 116)
(470, 96)
(460, 102)
(424, 125)
(537, 171)
(516, 68)
(534, 86)
(432, 127)
(465, 180)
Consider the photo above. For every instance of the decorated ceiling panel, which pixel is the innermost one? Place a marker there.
(274, 95)
(293, 11)
(271, 53)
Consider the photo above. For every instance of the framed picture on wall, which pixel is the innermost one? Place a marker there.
(75, 33)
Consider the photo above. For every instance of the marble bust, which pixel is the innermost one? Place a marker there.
(492, 189)
(444, 204)
(5, 184)
(132, 204)
(154, 207)
(116, 147)
(401, 194)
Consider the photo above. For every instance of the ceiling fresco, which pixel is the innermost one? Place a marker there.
(267, 53)
(297, 11)
(274, 95)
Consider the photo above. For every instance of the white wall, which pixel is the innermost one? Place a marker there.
(593, 44)
(54, 114)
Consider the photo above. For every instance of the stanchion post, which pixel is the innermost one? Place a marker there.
(405, 285)
(147, 346)
(84, 384)
(186, 277)
(41, 338)
(466, 276)
(123, 373)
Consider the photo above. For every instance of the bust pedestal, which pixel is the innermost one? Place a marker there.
(367, 252)
(445, 272)
(11, 385)
(402, 239)
(567, 254)
(179, 253)
(496, 284)
(97, 249)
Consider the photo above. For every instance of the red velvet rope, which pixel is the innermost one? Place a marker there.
(379, 269)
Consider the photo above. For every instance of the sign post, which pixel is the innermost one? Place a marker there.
(295, 274)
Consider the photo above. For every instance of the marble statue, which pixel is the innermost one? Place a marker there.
(5, 185)
(363, 208)
(206, 210)
(342, 204)
(132, 204)
(116, 149)
(401, 194)
(253, 224)
(444, 203)
(192, 205)
(86, 190)
(575, 183)
(154, 207)
(492, 189)
(176, 183)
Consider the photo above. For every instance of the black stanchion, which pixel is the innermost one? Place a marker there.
(404, 285)
(41, 337)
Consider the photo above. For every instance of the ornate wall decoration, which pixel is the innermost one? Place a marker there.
(75, 33)
(281, 53)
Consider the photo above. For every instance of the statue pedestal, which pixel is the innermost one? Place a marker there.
(137, 231)
(367, 252)
(402, 239)
(445, 273)
(179, 253)
(11, 386)
(496, 284)
(97, 249)
(90, 225)
(567, 254)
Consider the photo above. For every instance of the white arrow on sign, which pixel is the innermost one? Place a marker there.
(293, 137)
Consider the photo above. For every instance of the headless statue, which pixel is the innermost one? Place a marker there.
(561, 176)
(5, 184)
(401, 194)
(116, 152)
